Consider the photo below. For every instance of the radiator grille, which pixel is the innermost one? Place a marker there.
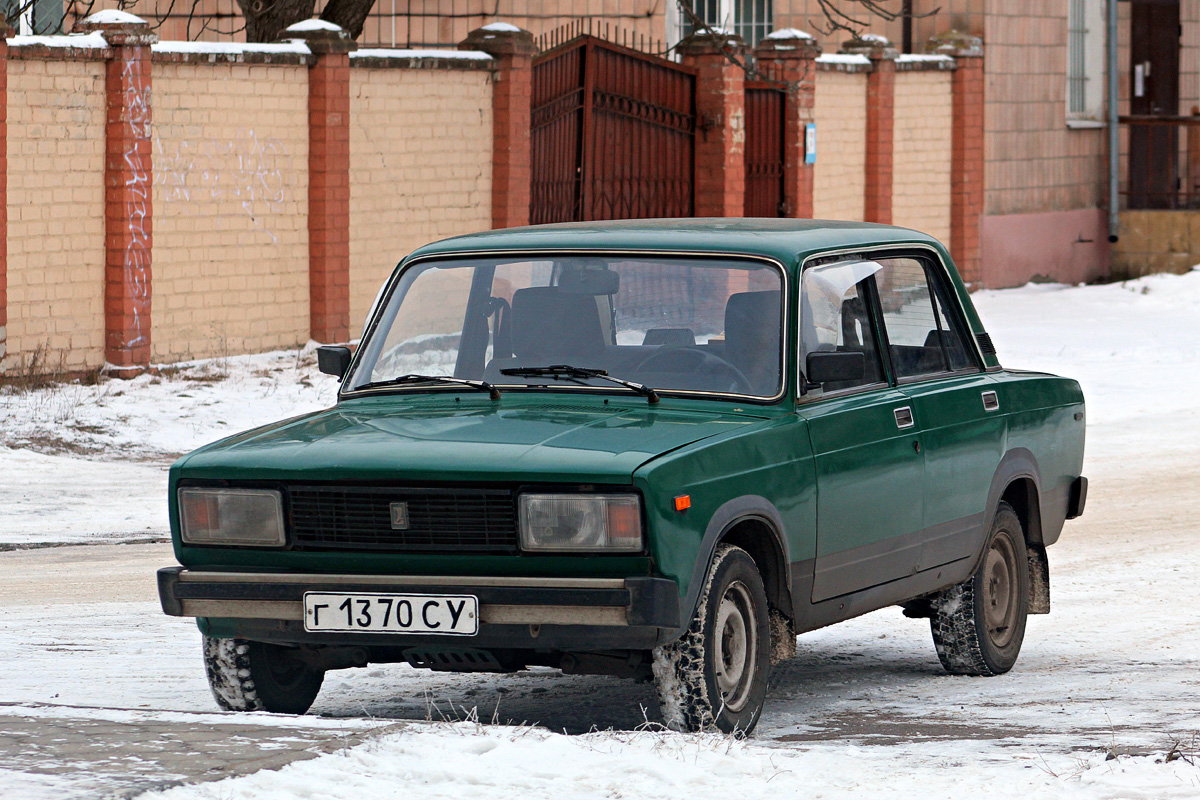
(439, 520)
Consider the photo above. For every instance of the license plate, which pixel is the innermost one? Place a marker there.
(444, 614)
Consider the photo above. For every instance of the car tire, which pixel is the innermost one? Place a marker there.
(714, 677)
(256, 676)
(978, 625)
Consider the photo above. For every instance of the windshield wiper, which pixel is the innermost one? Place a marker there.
(578, 373)
(482, 386)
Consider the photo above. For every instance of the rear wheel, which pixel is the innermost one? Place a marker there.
(256, 676)
(715, 675)
(978, 625)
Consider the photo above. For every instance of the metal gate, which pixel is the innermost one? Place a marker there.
(613, 134)
(765, 108)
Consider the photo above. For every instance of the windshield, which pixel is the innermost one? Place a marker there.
(671, 323)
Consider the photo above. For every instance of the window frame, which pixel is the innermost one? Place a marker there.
(936, 272)
(872, 302)
(727, 19)
(1087, 32)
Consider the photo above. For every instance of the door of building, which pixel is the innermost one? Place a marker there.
(1154, 91)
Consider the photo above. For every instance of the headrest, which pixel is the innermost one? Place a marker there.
(553, 327)
(751, 323)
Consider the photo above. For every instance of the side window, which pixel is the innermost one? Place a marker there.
(923, 338)
(835, 317)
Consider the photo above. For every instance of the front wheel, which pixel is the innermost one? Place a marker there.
(715, 675)
(978, 625)
(256, 676)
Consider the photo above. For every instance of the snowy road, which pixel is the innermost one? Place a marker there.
(95, 705)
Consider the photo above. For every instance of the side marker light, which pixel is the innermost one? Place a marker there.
(683, 502)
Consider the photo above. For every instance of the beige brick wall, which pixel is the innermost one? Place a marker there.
(420, 167)
(56, 114)
(230, 209)
(921, 160)
(841, 116)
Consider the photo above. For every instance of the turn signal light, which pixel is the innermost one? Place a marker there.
(683, 502)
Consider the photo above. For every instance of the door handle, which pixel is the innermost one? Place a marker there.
(990, 401)
(904, 417)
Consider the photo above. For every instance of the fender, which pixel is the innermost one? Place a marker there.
(1017, 463)
(729, 514)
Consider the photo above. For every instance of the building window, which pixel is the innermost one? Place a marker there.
(750, 19)
(1085, 59)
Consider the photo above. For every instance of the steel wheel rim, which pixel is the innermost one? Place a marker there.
(1000, 590)
(735, 647)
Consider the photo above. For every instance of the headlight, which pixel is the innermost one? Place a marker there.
(581, 522)
(231, 516)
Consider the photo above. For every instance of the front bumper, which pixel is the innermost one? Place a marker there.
(522, 613)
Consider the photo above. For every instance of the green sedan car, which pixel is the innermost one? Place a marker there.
(655, 449)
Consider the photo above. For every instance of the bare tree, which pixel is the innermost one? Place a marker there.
(854, 16)
(349, 14)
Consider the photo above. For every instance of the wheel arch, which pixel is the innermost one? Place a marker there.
(1018, 483)
(752, 523)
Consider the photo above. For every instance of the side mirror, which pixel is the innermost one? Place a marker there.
(333, 360)
(835, 366)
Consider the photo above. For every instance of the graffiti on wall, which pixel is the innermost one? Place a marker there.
(137, 198)
(243, 169)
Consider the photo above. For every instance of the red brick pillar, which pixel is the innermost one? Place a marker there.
(789, 57)
(328, 178)
(128, 177)
(881, 97)
(720, 183)
(512, 99)
(966, 150)
(5, 32)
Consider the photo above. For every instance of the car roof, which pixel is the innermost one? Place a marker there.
(782, 239)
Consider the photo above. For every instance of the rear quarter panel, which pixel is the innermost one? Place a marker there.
(1041, 413)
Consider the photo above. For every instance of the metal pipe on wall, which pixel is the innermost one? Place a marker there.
(1114, 152)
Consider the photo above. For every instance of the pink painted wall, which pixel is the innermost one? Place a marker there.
(1068, 246)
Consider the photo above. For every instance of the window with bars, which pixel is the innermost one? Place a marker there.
(1085, 60)
(34, 17)
(750, 19)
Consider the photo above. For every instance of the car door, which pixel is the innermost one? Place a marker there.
(962, 429)
(869, 471)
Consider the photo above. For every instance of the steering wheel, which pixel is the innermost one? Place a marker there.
(700, 362)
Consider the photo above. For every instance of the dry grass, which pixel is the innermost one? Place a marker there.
(43, 368)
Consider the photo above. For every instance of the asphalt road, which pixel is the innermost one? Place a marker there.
(101, 694)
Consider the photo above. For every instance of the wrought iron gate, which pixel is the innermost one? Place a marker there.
(765, 107)
(613, 134)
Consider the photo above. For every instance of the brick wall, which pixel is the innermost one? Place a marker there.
(230, 206)
(841, 116)
(921, 168)
(420, 167)
(56, 118)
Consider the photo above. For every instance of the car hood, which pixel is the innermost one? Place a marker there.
(578, 440)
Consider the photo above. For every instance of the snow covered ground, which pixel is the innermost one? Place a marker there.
(863, 710)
